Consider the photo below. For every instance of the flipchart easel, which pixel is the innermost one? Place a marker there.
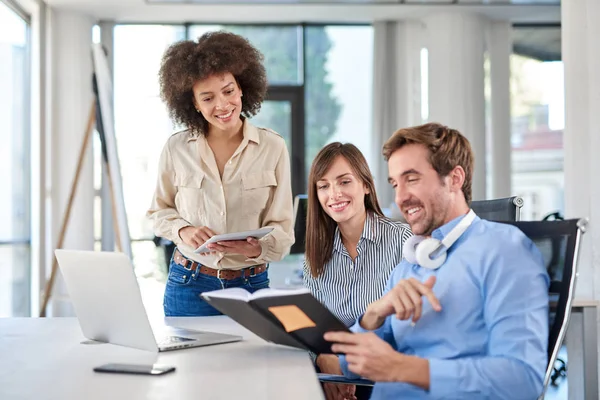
(101, 116)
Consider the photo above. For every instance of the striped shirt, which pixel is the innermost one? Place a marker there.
(347, 287)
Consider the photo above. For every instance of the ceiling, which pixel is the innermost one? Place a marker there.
(294, 11)
(371, 2)
(537, 31)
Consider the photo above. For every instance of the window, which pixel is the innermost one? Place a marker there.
(142, 126)
(537, 116)
(424, 84)
(15, 266)
(339, 70)
(281, 46)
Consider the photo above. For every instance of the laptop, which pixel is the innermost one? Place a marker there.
(108, 303)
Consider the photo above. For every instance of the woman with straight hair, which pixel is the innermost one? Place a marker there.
(351, 247)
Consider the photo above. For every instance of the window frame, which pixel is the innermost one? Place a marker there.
(26, 240)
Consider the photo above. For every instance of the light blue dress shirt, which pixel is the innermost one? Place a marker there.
(490, 339)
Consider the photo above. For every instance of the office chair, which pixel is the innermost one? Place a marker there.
(500, 210)
(300, 214)
(558, 241)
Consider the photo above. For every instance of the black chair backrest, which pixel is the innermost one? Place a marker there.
(502, 210)
(558, 241)
(300, 214)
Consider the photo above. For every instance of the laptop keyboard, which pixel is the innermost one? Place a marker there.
(167, 340)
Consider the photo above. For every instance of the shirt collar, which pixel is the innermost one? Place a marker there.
(249, 131)
(441, 232)
(370, 229)
(369, 232)
(338, 245)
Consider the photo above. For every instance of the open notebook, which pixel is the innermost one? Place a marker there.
(288, 317)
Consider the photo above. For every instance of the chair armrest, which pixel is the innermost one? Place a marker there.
(329, 378)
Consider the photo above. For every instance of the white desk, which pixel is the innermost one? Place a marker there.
(43, 358)
(582, 350)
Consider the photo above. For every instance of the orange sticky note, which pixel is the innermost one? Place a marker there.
(292, 317)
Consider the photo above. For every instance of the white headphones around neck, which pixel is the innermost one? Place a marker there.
(430, 252)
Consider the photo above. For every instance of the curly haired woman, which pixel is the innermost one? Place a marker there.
(221, 174)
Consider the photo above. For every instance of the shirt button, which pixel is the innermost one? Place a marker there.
(230, 162)
(222, 213)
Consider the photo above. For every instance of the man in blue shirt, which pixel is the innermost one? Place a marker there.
(477, 326)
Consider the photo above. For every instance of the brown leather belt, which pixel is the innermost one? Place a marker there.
(226, 274)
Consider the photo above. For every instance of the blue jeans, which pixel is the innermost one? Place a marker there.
(182, 293)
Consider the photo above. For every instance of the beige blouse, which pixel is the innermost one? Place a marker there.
(255, 192)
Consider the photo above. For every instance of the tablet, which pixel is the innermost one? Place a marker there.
(258, 233)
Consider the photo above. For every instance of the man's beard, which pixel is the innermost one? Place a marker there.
(436, 216)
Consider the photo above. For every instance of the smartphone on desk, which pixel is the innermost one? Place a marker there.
(139, 369)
